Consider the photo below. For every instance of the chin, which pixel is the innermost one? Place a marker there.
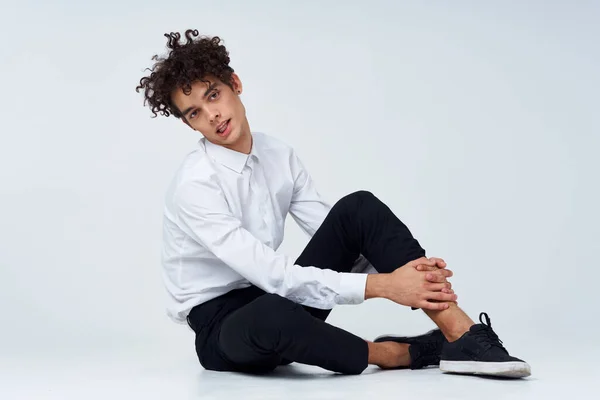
(233, 136)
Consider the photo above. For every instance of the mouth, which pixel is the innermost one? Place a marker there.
(224, 128)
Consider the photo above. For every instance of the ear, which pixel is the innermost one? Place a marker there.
(236, 83)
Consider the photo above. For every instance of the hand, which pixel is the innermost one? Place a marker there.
(410, 287)
(439, 264)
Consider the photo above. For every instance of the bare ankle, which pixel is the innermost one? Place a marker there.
(389, 354)
(453, 322)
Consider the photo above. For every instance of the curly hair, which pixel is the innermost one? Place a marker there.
(185, 63)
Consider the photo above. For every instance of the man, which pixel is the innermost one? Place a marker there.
(253, 309)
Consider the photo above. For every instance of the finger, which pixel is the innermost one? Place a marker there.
(422, 260)
(440, 296)
(448, 291)
(422, 267)
(437, 287)
(446, 272)
(439, 262)
(435, 277)
(425, 305)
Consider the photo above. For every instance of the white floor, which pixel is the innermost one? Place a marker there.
(130, 375)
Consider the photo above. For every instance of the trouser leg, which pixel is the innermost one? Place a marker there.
(258, 336)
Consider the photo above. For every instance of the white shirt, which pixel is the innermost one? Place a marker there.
(224, 218)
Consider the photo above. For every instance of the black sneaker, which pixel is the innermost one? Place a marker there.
(480, 352)
(424, 350)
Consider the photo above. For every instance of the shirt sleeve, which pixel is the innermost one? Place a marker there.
(203, 213)
(308, 208)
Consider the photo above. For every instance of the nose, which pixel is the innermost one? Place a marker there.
(214, 114)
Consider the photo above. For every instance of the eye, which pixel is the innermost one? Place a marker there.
(214, 95)
(193, 114)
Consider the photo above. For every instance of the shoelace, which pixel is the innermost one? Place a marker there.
(486, 334)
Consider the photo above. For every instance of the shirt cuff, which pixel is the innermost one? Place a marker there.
(352, 288)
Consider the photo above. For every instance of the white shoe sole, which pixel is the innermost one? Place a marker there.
(512, 369)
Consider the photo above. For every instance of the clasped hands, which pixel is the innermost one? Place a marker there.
(421, 283)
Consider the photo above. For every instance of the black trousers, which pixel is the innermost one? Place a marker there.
(248, 330)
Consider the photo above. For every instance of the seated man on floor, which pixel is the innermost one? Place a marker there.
(253, 309)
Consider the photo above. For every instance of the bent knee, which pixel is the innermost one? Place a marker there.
(360, 195)
(354, 201)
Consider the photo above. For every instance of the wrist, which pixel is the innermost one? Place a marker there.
(376, 286)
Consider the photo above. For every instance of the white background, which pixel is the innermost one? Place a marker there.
(476, 122)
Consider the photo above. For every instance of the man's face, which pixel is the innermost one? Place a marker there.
(215, 110)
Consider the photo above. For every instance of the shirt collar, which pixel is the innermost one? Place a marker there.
(231, 159)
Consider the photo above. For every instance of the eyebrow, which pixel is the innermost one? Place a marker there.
(210, 88)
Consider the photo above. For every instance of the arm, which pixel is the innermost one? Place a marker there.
(203, 213)
(307, 207)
